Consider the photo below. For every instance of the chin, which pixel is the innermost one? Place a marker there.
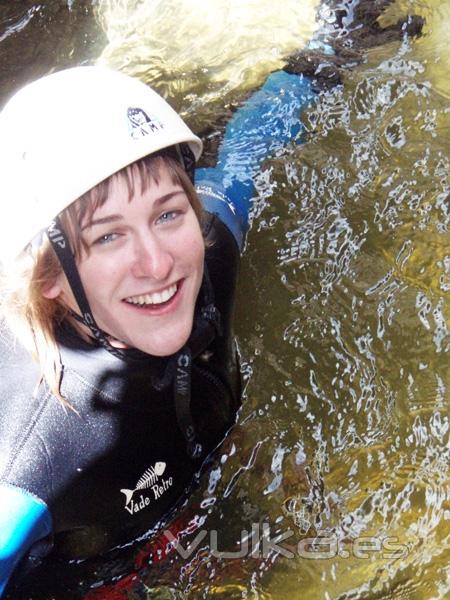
(167, 346)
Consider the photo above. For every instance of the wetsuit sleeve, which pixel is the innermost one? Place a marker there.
(259, 129)
(24, 520)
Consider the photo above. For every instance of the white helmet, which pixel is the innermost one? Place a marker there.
(63, 134)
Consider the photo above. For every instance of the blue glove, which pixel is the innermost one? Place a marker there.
(24, 519)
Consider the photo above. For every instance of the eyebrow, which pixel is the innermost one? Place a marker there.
(117, 217)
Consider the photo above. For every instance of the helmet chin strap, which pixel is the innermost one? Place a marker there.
(187, 159)
(178, 369)
(61, 246)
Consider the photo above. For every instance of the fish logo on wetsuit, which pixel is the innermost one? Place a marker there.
(149, 478)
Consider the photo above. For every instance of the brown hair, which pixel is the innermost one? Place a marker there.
(34, 319)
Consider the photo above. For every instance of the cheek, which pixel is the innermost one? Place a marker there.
(194, 250)
(98, 277)
(194, 244)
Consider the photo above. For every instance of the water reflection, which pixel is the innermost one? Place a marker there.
(201, 55)
(39, 37)
(357, 229)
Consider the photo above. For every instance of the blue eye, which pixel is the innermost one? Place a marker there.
(168, 216)
(106, 239)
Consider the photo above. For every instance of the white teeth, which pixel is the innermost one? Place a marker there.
(156, 298)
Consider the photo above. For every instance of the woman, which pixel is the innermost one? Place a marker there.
(119, 283)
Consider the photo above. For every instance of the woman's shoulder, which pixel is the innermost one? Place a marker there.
(22, 406)
(19, 374)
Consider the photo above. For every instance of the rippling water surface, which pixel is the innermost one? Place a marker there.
(343, 315)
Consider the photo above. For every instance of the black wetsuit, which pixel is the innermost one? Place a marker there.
(123, 434)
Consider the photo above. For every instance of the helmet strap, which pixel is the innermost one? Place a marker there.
(61, 246)
(187, 159)
(206, 326)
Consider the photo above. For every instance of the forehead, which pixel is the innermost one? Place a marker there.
(133, 180)
(124, 188)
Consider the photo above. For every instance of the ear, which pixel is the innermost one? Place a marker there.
(53, 290)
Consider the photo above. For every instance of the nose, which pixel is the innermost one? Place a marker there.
(151, 258)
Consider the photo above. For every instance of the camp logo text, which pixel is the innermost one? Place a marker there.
(151, 480)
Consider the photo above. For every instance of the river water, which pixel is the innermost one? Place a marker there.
(343, 312)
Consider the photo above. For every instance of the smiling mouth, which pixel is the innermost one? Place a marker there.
(155, 299)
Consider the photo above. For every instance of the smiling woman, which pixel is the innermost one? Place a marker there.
(120, 283)
(142, 260)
